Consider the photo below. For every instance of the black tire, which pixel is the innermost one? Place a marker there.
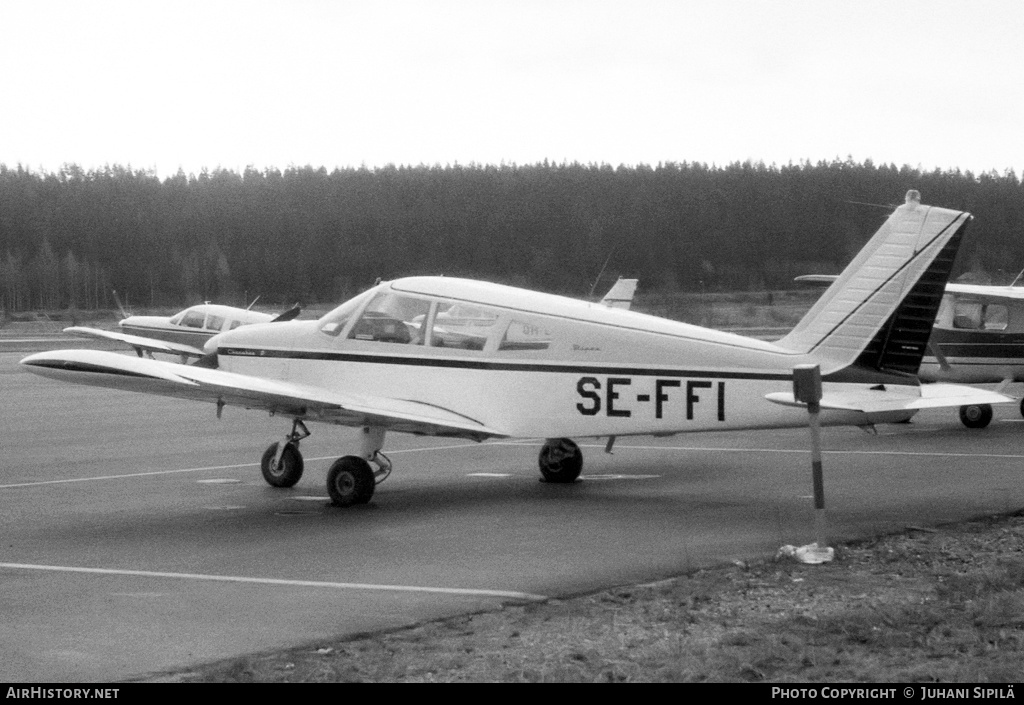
(560, 460)
(285, 473)
(976, 415)
(350, 481)
(1022, 407)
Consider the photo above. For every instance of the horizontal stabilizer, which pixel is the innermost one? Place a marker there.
(899, 398)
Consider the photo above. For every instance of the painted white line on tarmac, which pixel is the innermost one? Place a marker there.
(207, 468)
(1003, 456)
(1013, 456)
(470, 592)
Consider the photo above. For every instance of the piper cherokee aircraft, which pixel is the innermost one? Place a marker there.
(977, 338)
(185, 332)
(560, 368)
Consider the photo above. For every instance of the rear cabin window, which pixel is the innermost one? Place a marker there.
(214, 322)
(525, 336)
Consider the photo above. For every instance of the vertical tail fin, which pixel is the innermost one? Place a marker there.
(878, 314)
(621, 294)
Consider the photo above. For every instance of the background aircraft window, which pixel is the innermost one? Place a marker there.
(525, 336)
(193, 319)
(970, 315)
(234, 324)
(214, 322)
(392, 318)
(995, 317)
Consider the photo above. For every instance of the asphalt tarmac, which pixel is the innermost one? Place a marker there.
(137, 536)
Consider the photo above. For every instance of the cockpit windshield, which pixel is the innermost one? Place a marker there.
(333, 322)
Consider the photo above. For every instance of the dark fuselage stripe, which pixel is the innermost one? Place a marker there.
(494, 366)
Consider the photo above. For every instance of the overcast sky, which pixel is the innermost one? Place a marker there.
(230, 83)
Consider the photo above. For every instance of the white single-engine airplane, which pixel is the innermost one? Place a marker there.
(185, 332)
(559, 368)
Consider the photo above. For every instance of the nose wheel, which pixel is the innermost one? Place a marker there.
(282, 463)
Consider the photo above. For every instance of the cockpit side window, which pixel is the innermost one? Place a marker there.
(214, 322)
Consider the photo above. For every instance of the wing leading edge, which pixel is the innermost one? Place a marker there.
(107, 369)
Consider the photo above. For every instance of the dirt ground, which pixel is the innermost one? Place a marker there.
(935, 604)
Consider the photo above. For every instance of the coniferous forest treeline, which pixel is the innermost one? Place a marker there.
(304, 234)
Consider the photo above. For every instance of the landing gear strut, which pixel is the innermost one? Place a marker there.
(282, 462)
(560, 460)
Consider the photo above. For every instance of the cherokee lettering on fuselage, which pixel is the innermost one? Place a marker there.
(612, 397)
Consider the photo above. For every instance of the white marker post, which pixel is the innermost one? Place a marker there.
(807, 390)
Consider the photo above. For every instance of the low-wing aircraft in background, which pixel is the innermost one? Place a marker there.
(184, 333)
(977, 338)
(559, 368)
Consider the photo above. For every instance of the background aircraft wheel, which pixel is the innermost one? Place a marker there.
(560, 460)
(976, 415)
(1022, 407)
(285, 473)
(350, 481)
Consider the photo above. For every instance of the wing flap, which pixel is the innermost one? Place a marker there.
(107, 369)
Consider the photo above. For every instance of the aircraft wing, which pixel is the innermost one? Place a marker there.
(137, 341)
(108, 369)
(874, 400)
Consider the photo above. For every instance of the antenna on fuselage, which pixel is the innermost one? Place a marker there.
(603, 267)
(120, 307)
(253, 302)
(1014, 283)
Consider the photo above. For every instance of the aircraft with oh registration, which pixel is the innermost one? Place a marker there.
(546, 366)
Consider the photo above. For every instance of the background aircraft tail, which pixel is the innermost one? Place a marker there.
(621, 294)
(878, 314)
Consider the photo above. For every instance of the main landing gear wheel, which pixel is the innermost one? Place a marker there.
(976, 415)
(560, 460)
(350, 481)
(1022, 407)
(284, 472)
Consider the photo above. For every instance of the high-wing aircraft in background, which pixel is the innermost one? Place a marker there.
(185, 332)
(559, 368)
(977, 338)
